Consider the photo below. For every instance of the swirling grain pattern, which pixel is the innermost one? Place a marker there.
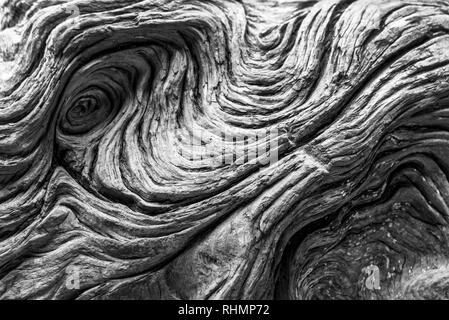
(322, 149)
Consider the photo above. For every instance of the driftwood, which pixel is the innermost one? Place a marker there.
(224, 149)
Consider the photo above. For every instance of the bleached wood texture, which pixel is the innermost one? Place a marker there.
(98, 180)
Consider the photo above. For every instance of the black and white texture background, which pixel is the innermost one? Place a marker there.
(224, 149)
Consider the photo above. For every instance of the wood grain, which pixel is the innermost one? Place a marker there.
(99, 179)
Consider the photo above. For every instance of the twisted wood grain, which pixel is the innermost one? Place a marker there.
(100, 100)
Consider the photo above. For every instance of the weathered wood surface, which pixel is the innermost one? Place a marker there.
(102, 195)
